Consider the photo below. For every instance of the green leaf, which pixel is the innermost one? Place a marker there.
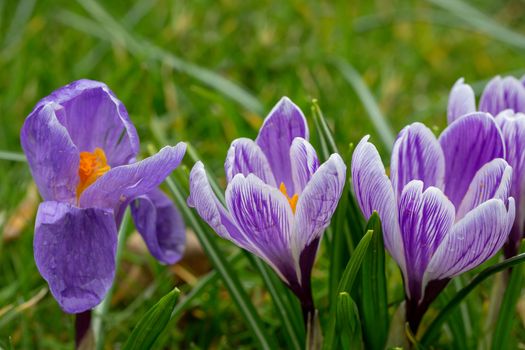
(434, 328)
(229, 277)
(374, 303)
(507, 312)
(348, 323)
(152, 323)
(345, 285)
(13, 156)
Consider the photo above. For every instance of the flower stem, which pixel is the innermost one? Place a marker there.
(82, 327)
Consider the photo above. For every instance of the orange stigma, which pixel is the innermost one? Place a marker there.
(92, 166)
(292, 200)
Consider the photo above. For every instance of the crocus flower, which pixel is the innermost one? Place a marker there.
(446, 207)
(504, 99)
(81, 148)
(279, 200)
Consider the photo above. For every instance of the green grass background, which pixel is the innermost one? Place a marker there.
(172, 63)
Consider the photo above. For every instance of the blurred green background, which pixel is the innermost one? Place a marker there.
(207, 72)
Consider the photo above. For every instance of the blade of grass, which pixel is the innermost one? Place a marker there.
(433, 329)
(153, 323)
(378, 119)
(481, 22)
(507, 312)
(229, 277)
(142, 48)
(345, 285)
(12, 156)
(102, 309)
(374, 302)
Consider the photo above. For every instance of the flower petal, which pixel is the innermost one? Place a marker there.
(210, 209)
(417, 155)
(123, 183)
(246, 157)
(304, 163)
(374, 192)
(94, 117)
(468, 143)
(52, 156)
(461, 101)
(472, 240)
(75, 253)
(284, 123)
(317, 203)
(264, 215)
(425, 219)
(493, 180)
(512, 127)
(503, 93)
(161, 226)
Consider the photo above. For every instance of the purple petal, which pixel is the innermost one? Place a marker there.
(123, 183)
(210, 209)
(317, 203)
(160, 225)
(94, 117)
(75, 253)
(501, 94)
(284, 123)
(416, 155)
(374, 192)
(513, 129)
(264, 215)
(304, 163)
(425, 219)
(246, 157)
(52, 156)
(472, 240)
(493, 180)
(468, 143)
(461, 101)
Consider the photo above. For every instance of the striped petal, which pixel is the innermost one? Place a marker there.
(461, 101)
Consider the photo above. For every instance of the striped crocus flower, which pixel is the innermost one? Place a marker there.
(446, 207)
(279, 200)
(81, 148)
(504, 99)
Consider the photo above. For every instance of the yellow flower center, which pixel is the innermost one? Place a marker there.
(292, 200)
(92, 166)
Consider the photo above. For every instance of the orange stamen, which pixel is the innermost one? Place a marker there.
(292, 200)
(92, 166)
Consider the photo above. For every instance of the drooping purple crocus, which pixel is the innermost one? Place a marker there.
(446, 207)
(81, 148)
(504, 99)
(279, 200)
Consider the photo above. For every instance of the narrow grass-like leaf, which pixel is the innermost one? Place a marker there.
(345, 285)
(434, 328)
(13, 156)
(229, 277)
(481, 22)
(354, 79)
(348, 322)
(374, 303)
(102, 309)
(152, 323)
(507, 313)
(143, 48)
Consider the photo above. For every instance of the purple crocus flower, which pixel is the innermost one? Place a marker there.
(81, 148)
(279, 200)
(446, 207)
(503, 98)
